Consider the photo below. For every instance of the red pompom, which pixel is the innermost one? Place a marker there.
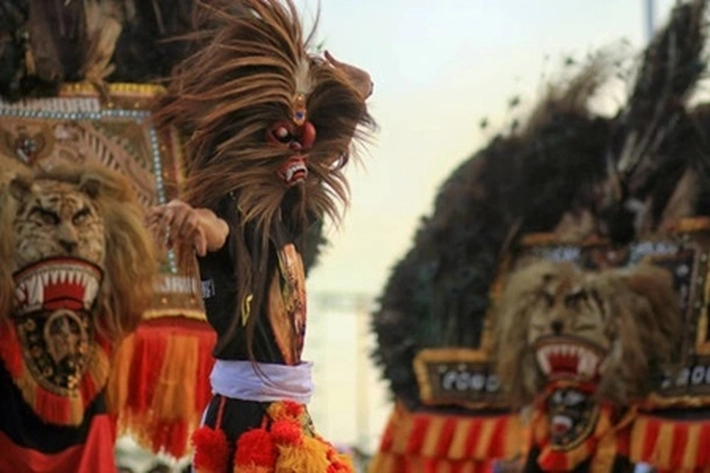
(211, 450)
(293, 409)
(255, 447)
(286, 433)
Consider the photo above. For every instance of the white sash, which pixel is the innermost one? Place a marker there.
(262, 382)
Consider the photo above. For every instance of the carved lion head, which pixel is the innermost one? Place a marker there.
(613, 330)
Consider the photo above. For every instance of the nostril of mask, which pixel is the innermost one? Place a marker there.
(556, 326)
(69, 246)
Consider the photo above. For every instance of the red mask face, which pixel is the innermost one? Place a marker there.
(298, 139)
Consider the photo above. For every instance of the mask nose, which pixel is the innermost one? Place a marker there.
(556, 326)
(67, 237)
(68, 245)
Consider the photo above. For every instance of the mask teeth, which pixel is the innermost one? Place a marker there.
(21, 293)
(37, 283)
(543, 360)
(90, 292)
(292, 170)
(30, 291)
(587, 362)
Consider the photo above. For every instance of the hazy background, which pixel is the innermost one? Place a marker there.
(439, 67)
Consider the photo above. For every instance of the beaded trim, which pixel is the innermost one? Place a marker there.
(89, 109)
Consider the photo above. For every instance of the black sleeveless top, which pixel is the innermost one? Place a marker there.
(282, 312)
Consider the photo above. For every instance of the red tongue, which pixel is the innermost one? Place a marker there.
(64, 303)
(559, 428)
(64, 295)
(566, 363)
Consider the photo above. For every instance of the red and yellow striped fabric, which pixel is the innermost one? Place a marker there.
(427, 442)
(678, 446)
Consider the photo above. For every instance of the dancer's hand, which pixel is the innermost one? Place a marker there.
(198, 227)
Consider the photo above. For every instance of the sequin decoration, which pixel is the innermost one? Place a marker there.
(299, 110)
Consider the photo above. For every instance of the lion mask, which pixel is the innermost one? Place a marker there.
(613, 329)
(82, 214)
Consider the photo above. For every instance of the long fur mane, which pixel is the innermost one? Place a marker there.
(244, 79)
(130, 260)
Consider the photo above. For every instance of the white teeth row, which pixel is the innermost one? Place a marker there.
(562, 420)
(587, 361)
(294, 169)
(30, 291)
(562, 349)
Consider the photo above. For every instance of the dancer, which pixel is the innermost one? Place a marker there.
(268, 127)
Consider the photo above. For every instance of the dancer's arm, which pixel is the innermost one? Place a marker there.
(198, 226)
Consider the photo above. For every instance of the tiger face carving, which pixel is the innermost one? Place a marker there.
(57, 218)
(81, 271)
(611, 330)
(89, 222)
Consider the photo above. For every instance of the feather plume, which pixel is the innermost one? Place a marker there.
(643, 159)
(51, 42)
(154, 39)
(104, 23)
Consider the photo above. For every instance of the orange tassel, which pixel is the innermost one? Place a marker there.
(162, 386)
(286, 448)
(286, 410)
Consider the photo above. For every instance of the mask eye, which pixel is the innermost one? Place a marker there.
(47, 217)
(547, 299)
(573, 398)
(81, 216)
(572, 301)
(280, 133)
(50, 218)
(558, 397)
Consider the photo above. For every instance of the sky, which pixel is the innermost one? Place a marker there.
(439, 68)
